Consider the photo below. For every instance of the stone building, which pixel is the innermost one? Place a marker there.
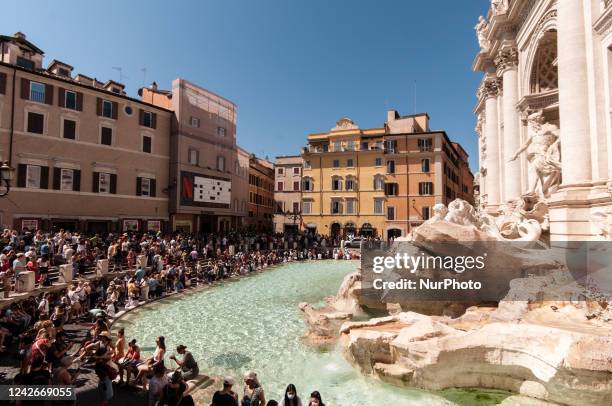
(87, 157)
(287, 193)
(207, 179)
(261, 195)
(380, 181)
(543, 112)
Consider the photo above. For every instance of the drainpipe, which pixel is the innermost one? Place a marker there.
(12, 130)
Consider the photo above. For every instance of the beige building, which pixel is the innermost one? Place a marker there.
(208, 180)
(544, 124)
(287, 193)
(261, 195)
(86, 155)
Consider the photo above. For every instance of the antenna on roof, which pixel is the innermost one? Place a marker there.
(121, 75)
(144, 76)
(415, 94)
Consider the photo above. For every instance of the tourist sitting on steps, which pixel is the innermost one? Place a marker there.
(188, 365)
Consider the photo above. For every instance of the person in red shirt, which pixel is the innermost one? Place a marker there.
(130, 362)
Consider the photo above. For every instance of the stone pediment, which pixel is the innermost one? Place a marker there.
(345, 123)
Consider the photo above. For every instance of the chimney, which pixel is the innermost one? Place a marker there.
(153, 86)
(20, 35)
(392, 115)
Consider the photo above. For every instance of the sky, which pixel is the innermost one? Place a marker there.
(292, 67)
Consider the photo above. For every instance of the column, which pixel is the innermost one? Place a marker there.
(507, 61)
(573, 93)
(493, 181)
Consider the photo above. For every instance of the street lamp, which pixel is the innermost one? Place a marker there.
(6, 176)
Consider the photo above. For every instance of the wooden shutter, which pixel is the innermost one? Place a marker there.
(57, 176)
(76, 180)
(138, 186)
(2, 83)
(48, 94)
(152, 185)
(99, 106)
(61, 97)
(141, 116)
(79, 101)
(21, 175)
(153, 120)
(25, 88)
(113, 183)
(96, 182)
(44, 177)
(115, 109)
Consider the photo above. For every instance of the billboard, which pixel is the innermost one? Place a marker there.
(205, 191)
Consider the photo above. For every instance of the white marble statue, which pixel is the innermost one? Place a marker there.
(481, 32)
(439, 213)
(500, 6)
(543, 154)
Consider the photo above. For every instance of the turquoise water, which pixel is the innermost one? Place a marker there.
(254, 323)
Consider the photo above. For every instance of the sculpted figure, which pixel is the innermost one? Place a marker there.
(500, 6)
(439, 213)
(543, 154)
(481, 33)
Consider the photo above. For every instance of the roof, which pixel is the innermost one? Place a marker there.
(60, 63)
(22, 42)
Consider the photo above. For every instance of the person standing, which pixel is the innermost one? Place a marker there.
(226, 397)
(253, 392)
(291, 397)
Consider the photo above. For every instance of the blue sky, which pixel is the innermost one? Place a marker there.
(292, 67)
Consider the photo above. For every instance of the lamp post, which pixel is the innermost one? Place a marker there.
(6, 176)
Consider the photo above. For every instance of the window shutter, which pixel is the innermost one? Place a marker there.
(76, 180)
(113, 183)
(79, 101)
(115, 109)
(57, 174)
(138, 186)
(2, 83)
(153, 120)
(25, 89)
(48, 94)
(99, 106)
(152, 191)
(141, 116)
(21, 175)
(44, 177)
(96, 182)
(61, 97)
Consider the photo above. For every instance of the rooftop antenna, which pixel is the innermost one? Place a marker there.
(121, 75)
(144, 76)
(415, 96)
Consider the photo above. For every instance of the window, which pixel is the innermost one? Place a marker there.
(379, 183)
(390, 146)
(104, 182)
(128, 110)
(308, 184)
(194, 122)
(296, 170)
(364, 145)
(425, 188)
(33, 173)
(296, 207)
(424, 144)
(425, 213)
(337, 146)
(349, 163)
(25, 63)
(107, 109)
(390, 213)
(296, 186)
(69, 129)
(280, 186)
(221, 163)
(336, 184)
(145, 187)
(147, 144)
(306, 207)
(147, 119)
(36, 123)
(336, 207)
(193, 156)
(350, 184)
(336, 163)
(307, 165)
(37, 92)
(390, 166)
(106, 136)
(280, 171)
(221, 131)
(66, 179)
(424, 165)
(70, 100)
(350, 206)
(378, 162)
(379, 205)
(391, 189)
(350, 146)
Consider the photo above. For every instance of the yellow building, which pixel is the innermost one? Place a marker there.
(380, 181)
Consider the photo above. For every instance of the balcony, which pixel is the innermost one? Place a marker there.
(37, 96)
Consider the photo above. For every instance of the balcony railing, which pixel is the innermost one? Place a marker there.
(37, 96)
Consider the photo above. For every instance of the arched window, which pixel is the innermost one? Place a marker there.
(544, 74)
(379, 182)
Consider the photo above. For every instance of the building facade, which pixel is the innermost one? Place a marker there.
(207, 178)
(543, 111)
(380, 181)
(87, 157)
(287, 193)
(261, 195)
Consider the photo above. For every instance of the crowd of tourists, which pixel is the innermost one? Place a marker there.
(140, 267)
